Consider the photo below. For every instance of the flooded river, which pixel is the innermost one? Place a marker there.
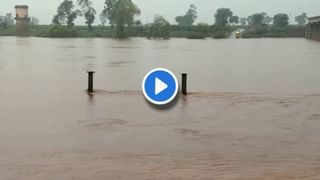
(253, 111)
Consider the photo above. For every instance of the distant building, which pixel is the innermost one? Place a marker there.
(22, 19)
(313, 28)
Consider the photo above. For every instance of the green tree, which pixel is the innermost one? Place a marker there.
(180, 20)
(61, 31)
(222, 16)
(234, 19)
(2, 22)
(90, 16)
(137, 23)
(120, 14)
(203, 29)
(281, 20)
(302, 19)
(267, 20)
(256, 19)
(9, 19)
(66, 14)
(34, 21)
(88, 11)
(103, 19)
(189, 18)
(243, 21)
(160, 28)
(6, 20)
(109, 10)
(138, 29)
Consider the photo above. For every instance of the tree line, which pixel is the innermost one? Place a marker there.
(224, 16)
(121, 16)
(8, 20)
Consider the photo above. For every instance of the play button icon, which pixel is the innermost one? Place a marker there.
(160, 86)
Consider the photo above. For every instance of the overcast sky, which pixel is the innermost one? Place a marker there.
(45, 9)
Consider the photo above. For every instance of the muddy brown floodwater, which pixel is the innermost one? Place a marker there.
(253, 111)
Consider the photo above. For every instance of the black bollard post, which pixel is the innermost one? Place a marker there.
(90, 81)
(184, 84)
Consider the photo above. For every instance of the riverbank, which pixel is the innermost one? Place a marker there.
(190, 32)
(49, 31)
(273, 32)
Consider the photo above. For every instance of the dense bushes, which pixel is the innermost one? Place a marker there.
(58, 31)
(201, 31)
(8, 31)
(270, 31)
(61, 31)
(191, 32)
(160, 28)
(196, 35)
(221, 32)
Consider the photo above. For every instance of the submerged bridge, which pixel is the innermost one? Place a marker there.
(313, 28)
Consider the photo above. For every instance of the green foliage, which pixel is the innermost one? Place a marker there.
(222, 16)
(90, 16)
(256, 19)
(138, 30)
(6, 21)
(192, 32)
(189, 18)
(181, 20)
(301, 19)
(34, 21)
(234, 19)
(221, 32)
(272, 32)
(109, 10)
(259, 19)
(120, 13)
(203, 29)
(196, 35)
(56, 20)
(160, 28)
(137, 23)
(267, 19)
(96, 31)
(281, 20)
(88, 11)
(103, 19)
(65, 14)
(8, 31)
(61, 31)
(243, 21)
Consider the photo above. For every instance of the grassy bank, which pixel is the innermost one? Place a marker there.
(273, 32)
(51, 31)
(190, 32)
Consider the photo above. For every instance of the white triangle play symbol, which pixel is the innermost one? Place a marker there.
(160, 86)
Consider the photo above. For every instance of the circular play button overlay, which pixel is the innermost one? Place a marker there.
(160, 86)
